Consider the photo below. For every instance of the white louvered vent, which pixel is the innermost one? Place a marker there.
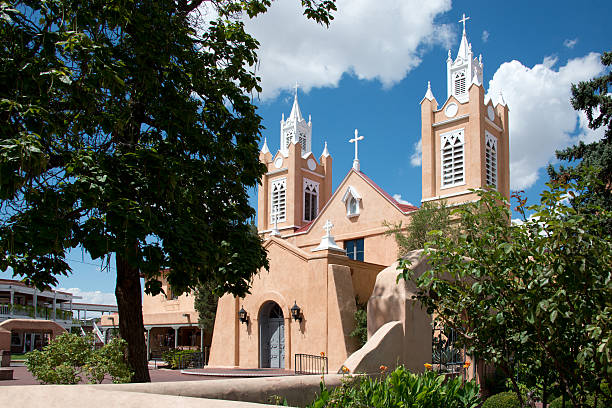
(453, 171)
(491, 159)
(460, 84)
(278, 201)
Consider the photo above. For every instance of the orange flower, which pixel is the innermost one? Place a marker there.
(383, 368)
(322, 354)
(428, 366)
(345, 369)
(467, 364)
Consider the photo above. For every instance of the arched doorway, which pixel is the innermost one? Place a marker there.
(272, 336)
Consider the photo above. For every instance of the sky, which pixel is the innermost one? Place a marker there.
(369, 71)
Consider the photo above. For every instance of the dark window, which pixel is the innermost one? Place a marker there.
(354, 249)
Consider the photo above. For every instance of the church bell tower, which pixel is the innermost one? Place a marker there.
(297, 185)
(465, 142)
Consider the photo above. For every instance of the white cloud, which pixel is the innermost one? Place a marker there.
(398, 198)
(550, 61)
(570, 43)
(542, 119)
(485, 36)
(417, 156)
(95, 297)
(370, 42)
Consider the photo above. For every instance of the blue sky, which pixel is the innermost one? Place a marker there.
(370, 69)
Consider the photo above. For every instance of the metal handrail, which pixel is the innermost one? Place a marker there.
(310, 364)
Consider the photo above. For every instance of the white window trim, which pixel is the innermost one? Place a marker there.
(283, 182)
(346, 199)
(315, 185)
(459, 134)
(493, 140)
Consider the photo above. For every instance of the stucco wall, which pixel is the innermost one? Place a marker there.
(391, 301)
(317, 283)
(374, 210)
(475, 123)
(5, 339)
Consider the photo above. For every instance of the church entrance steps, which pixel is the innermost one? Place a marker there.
(239, 372)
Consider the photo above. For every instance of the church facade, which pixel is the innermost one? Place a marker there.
(326, 247)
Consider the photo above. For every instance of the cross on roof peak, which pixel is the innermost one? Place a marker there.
(356, 140)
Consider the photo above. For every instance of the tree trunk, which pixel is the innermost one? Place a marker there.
(131, 326)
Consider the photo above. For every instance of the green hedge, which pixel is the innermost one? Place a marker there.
(172, 356)
(558, 403)
(506, 399)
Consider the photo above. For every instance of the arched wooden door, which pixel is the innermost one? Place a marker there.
(272, 336)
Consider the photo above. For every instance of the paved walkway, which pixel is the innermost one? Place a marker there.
(21, 376)
(238, 372)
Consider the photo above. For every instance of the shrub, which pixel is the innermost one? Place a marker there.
(506, 399)
(360, 333)
(70, 357)
(401, 388)
(172, 357)
(558, 403)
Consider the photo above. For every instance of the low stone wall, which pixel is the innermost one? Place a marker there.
(62, 396)
(297, 390)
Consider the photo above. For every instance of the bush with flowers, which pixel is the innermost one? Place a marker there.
(400, 388)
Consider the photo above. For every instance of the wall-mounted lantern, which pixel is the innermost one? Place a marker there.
(242, 316)
(296, 312)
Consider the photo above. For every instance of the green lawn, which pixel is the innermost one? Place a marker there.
(18, 356)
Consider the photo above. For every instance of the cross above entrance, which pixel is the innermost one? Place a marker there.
(463, 20)
(356, 140)
(328, 227)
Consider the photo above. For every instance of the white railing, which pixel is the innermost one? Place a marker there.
(5, 309)
(96, 330)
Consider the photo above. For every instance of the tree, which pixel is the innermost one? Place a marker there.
(594, 98)
(205, 303)
(432, 216)
(537, 293)
(127, 128)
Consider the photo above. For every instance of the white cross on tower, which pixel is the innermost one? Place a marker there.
(328, 227)
(295, 87)
(356, 140)
(463, 20)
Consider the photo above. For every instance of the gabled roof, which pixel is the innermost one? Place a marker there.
(403, 208)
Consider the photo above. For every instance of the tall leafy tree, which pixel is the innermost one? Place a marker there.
(538, 293)
(432, 216)
(126, 127)
(595, 99)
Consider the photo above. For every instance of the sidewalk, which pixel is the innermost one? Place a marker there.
(21, 376)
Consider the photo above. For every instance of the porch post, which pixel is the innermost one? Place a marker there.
(176, 329)
(35, 304)
(12, 301)
(148, 344)
(202, 340)
(53, 313)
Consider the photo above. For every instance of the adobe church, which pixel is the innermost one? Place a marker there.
(328, 247)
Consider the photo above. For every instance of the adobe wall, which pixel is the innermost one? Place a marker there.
(317, 282)
(374, 209)
(5, 339)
